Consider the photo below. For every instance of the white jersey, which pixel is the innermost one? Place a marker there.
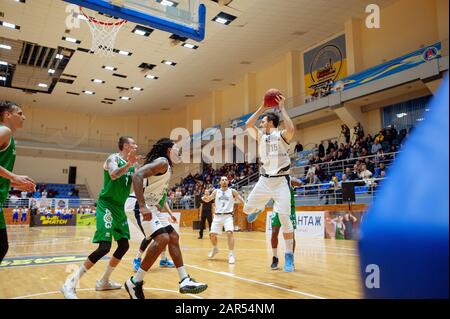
(274, 154)
(157, 187)
(224, 201)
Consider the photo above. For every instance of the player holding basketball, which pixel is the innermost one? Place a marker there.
(111, 220)
(223, 216)
(274, 182)
(276, 225)
(158, 171)
(11, 119)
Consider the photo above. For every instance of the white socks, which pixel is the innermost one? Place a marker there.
(182, 273)
(107, 273)
(289, 246)
(163, 255)
(139, 275)
(231, 253)
(275, 252)
(78, 274)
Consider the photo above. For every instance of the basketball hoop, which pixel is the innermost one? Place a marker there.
(104, 30)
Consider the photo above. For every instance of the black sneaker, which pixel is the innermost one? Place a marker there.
(274, 265)
(135, 289)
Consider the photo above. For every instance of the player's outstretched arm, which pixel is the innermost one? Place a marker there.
(250, 124)
(238, 196)
(210, 197)
(289, 129)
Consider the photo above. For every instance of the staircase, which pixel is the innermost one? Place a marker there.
(83, 191)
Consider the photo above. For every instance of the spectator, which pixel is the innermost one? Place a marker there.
(320, 173)
(298, 147)
(345, 131)
(379, 170)
(321, 150)
(358, 131)
(376, 146)
(365, 173)
(312, 179)
(44, 193)
(185, 201)
(348, 221)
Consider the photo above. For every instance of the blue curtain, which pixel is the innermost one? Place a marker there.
(407, 114)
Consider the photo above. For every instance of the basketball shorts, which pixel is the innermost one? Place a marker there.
(148, 228)
(2, 219)
(276, 188)
(111, 222)
(222, 221)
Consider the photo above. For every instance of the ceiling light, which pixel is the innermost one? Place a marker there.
(136, 88)
(121, 52)
(168, 62)
(126, 98)
(9, 25)
(224, 18)
(190, 46)
(140, 30)
(167, 3)
(2, 78)
(400, 115)
(43, 85)
(3, 63)
(109, 68)
(89, 92)
(98, 81)
(151, 77)
(59, 56)
(72, 40)
(6, 47)
(221, 20)
(51, 71)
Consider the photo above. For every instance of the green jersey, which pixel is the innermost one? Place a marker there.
(116, 191)
(7, 159)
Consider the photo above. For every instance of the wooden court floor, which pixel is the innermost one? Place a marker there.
(40, 259)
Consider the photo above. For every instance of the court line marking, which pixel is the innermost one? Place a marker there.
(93, 289)
(256, 282)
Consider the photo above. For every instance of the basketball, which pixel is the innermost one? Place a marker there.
(270, 97)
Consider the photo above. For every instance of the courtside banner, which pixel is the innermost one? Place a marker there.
(309, 224)
(39, 221)
(85, 219)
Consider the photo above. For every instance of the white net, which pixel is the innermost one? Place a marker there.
(104, 30)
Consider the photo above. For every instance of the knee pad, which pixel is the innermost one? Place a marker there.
(122, 248)
(286, 223)
(103, 249)
(144, 244)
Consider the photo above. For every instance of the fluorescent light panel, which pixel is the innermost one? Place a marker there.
(5, 47)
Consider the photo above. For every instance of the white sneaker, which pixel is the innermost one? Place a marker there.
(69, 291)
(231, 259)
(189, 286)
(213, 252)
(109, 285)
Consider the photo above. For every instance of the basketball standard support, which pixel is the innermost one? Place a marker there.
(147, 19)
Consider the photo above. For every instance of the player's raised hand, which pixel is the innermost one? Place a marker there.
(132, 157)
(280, 100)
(173, 220)
(23, 183)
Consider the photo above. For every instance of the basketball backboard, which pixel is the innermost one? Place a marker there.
(185, 18)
